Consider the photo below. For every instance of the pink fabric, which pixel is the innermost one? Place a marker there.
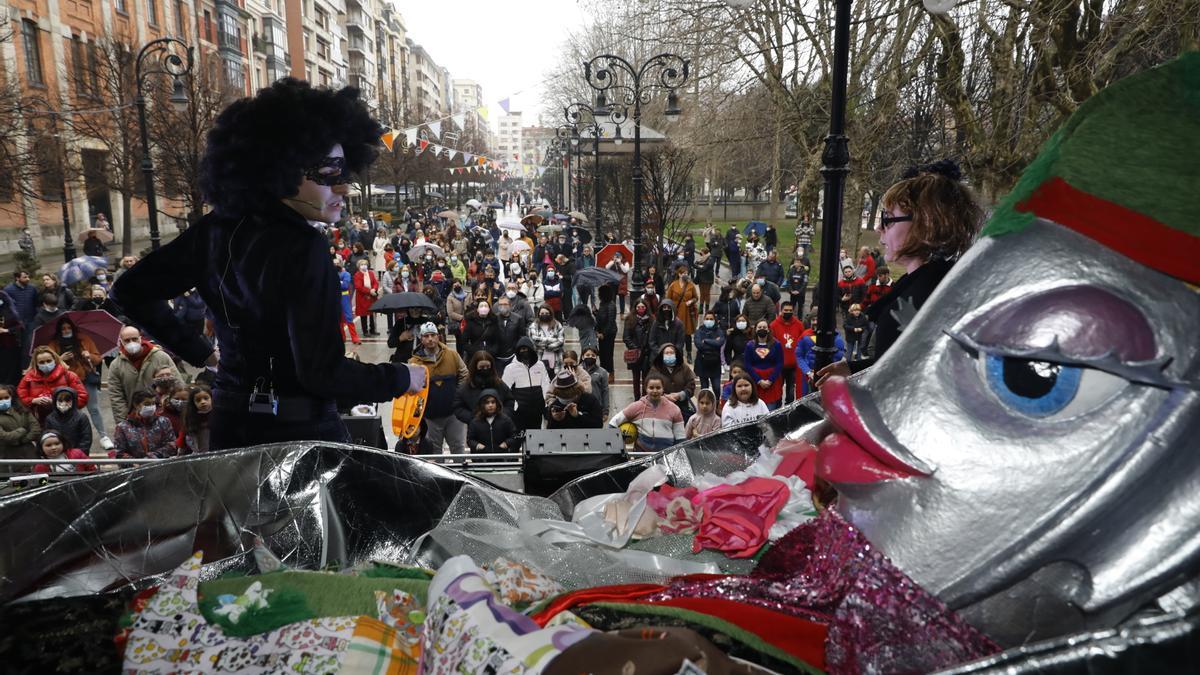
(679, 509)
(879, 619)
(738, 518)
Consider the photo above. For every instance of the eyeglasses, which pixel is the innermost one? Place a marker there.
(886, 220)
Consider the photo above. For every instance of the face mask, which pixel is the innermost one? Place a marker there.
(68, 334)
(5, 404)
(46, 367)
(133, 348)
(709, 323)
(178, 404)
(63, 406)
(50, 308)
(760, 282)
(147, 411)
(97, 298)
(649, 290)
(741, 325)
(763, 332)
(503, 310)
(669, 359)
(641, 311)
(101, 277)
(362, 268)
(527, 357)
(549, 274)
(454, 259)
(483, 311)
(510, 294)
(543, 317)
(680, 256)
(484, 372)
(589, 361)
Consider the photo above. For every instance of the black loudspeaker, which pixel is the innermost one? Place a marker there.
(554, 457)
(366, 431)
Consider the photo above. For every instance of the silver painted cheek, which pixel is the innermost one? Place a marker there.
(1009, 494)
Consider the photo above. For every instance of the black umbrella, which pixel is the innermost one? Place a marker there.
(495, 205)
(581, 318)
(592, 277)
(584, 236)
(394, 302)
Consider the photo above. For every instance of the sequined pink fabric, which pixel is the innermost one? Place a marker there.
(880, 621)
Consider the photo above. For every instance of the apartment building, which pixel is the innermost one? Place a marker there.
(534, 143)
(425, 79)
(508, 137)
(269, 58)
(391, 57)
(317, 41)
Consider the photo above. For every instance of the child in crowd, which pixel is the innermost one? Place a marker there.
(195, 421)
(53, 446)
(172, 405)
(855, 327)
(736, 369)
(491, 430)
(71, 423)
(658, 420)
(143, 433)
(745, 405)
(705, 421)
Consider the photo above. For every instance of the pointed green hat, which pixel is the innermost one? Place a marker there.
(1124, 171)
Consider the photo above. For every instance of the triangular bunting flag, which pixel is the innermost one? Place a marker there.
(458, 120)
(467, 157)
(388, 138)
(482, 111)
(421, 145)
(410, 136)
(435, 128)
(504, 106)
(452, 155)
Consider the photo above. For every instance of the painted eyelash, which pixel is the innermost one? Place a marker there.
(1143, 372)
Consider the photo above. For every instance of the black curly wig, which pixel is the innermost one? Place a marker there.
(259, 147)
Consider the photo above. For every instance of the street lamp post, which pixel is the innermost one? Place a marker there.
(574, 116)
(563, 132)
(835, 166)
(164, 61)
(665, 72)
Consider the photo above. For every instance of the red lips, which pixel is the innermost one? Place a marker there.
(852, 455)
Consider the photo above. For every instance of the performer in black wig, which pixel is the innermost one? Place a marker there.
(276, 166)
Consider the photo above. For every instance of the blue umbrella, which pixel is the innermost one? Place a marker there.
(81, 269)
(562, 217)
(758, 226)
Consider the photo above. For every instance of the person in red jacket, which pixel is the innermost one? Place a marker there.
(881, 286)
(45, 374)
(787, 329)
(366, 292)
(851, 289)
(866, 265)
(52, 446)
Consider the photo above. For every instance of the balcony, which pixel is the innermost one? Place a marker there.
(357, 19)
(358, 43)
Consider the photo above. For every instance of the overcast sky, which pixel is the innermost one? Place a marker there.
(507, 47)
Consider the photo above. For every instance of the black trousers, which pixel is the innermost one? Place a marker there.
(368, 323)
(607, 345)
(233, 426)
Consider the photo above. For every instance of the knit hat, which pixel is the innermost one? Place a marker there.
(428, 328)
(48, 434)
(565, 379)
(1124, 171)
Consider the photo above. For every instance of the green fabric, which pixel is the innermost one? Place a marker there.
(699, 619)
(382, 570)
(284, 606)
(324, 594)
(1136, 144)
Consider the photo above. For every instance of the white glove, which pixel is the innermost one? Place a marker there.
(416, 377)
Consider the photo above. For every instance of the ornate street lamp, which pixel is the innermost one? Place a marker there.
(663, 72)
(163, 61)
(574, 115)
(563, 133)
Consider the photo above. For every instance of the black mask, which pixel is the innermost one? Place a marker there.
(762, 332)
(787, 315)
(589, 361)
(484, 372)
(527, 357)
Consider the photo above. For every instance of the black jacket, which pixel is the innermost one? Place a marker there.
(667, 329)
(274, 295)
(481, 334)
(637, 336)
(913, 289)
(509, 329)
(590, 416)
(74, 425)
(501, 430)
(606, 318)
(467, 398)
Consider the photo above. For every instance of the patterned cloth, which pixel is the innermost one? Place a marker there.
(468, 630)
(171, 636)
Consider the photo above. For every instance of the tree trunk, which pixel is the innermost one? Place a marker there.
(776, 212)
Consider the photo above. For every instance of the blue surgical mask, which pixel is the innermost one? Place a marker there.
(669, 359)
(46, 368)
(709, 323)
(5, 404)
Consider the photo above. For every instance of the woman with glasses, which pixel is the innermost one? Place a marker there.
(929, 219)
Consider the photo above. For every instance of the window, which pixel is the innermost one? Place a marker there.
(180, 23)
(322, 18)
(326, 78)
(33, 52)
(323, 49)
(121, 7)
(79, 61)
(208, 26)
(152, 12)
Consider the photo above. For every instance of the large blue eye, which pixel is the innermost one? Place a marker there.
(1033, 388)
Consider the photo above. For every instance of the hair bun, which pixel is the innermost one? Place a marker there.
(943, 167)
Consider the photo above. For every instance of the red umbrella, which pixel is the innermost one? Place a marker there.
(103, 328)
(606, 254)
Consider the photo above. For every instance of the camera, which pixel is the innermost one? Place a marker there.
(264, 403)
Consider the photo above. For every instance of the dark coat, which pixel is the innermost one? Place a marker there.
(679, 378)
(275, 299)
(481, 333)
(606, 318)
(491, 434)
(668, 331)
(73, 425)
(771, 271)
(466, 400)
(709, 344)
(509, 330)
(915, 288)
(590, 415)
(24, 299)
(735, 345)
(637, 336)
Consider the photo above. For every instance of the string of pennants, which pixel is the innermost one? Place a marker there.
(473, 163)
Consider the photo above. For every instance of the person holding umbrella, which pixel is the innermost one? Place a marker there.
(81, 356)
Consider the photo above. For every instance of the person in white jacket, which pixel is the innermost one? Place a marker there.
(529, 382)
(743, 405)
(548, 337)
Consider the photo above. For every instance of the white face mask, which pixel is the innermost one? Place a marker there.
(741, 325)
(510, 294)
(147, 411)
(133, 348)
(63, 406)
